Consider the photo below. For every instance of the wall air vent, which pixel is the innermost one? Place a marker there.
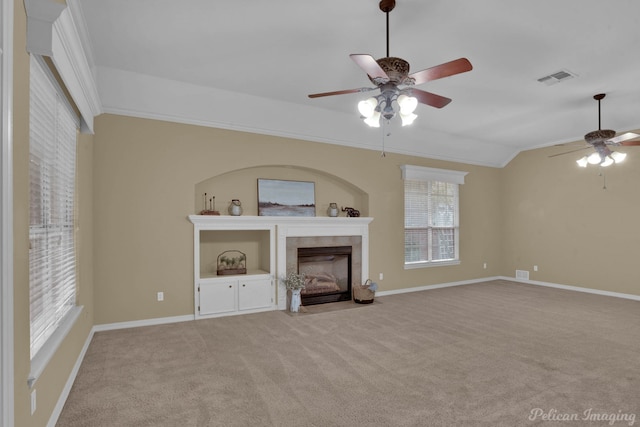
(557, 77)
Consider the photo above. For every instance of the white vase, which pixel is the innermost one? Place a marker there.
(235, 208)
(332, 210)
(295, 300)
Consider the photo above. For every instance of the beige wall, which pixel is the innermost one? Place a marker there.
(558, 216)
(137, 183)
(49, 386)
(146, 174)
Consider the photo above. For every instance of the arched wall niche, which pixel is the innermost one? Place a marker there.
(242, 184)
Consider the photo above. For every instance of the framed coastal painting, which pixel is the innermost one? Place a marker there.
(286, 198)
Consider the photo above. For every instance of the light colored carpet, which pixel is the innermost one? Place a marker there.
(486, 354)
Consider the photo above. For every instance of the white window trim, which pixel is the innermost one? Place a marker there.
(427, 264)
(52, 31)
(6, 218)
(423, 173)
(46, 352)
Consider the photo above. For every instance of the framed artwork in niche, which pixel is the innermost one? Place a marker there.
(286, 198)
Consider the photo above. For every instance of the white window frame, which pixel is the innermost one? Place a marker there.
(426, 174)
(64, 323)
(6, 216)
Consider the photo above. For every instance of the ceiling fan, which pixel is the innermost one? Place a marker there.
(391, 76)
(601, 140)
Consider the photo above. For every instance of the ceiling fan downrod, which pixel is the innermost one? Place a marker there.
(387, 6)
(598, 98)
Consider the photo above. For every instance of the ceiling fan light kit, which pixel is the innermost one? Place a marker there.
(601, 139)
(397, 93)
(597, 159)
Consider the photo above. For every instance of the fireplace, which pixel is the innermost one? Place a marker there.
(328, 273)
(321, 232)
(346, 265)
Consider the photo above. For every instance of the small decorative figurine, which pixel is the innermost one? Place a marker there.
(212, 206)
(351, 212)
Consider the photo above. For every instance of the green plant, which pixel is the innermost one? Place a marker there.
(294, 280)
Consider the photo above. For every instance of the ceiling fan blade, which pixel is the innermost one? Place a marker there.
(447, 69)
(429, 98)
(569, 152)
(620, 138)
(369, 65)
(630, 143)
(341, 92)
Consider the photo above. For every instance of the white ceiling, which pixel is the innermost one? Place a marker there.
(250, 64)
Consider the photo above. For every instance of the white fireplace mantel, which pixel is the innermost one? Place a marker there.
(228, 222)
(287, 226)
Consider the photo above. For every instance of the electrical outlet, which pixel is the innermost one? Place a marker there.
(160, 296)
(484, 265)
(535, 268)
(33, 402)
(381, 276)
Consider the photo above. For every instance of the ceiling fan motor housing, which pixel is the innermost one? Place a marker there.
(599, 135)
(397, 70)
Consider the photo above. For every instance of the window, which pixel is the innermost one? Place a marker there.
(431, 216)
(52, 168)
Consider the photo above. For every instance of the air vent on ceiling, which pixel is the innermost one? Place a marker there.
(556, 77)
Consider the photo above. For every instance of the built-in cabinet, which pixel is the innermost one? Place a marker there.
(224, 295)
(264, 241)
(232, 294)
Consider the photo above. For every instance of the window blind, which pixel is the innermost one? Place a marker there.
(52, 168)
(431, 204)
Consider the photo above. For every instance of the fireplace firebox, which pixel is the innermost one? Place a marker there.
(328, 274)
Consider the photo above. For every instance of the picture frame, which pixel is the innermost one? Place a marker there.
(277, 197)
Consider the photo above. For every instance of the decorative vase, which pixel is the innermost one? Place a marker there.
(332, 210)
(235, 208)
(295, 300)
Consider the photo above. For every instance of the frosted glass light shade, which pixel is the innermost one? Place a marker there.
(407, 104)
(583, 162)
(374, 120)
(407, 119)
(367, 107)
(606, 162)
(594, 158)
(618, 157)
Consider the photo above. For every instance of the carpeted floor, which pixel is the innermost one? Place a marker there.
(497, 353)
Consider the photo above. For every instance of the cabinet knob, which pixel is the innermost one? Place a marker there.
(243, 285)
(230, 286)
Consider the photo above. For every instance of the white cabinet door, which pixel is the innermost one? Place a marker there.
(254, 293)
(218, 297)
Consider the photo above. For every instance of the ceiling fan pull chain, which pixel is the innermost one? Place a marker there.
(383, 154)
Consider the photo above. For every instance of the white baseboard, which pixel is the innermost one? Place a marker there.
(573, 288)
(512, 279)
(437, 286)
(57, 410)
(145, 322)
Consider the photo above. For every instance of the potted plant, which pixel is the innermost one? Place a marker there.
(295, 283)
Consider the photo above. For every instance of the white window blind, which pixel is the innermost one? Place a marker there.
(52, 263)
(431, 206)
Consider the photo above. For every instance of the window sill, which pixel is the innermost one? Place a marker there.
(44, 355)
(415, 265)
